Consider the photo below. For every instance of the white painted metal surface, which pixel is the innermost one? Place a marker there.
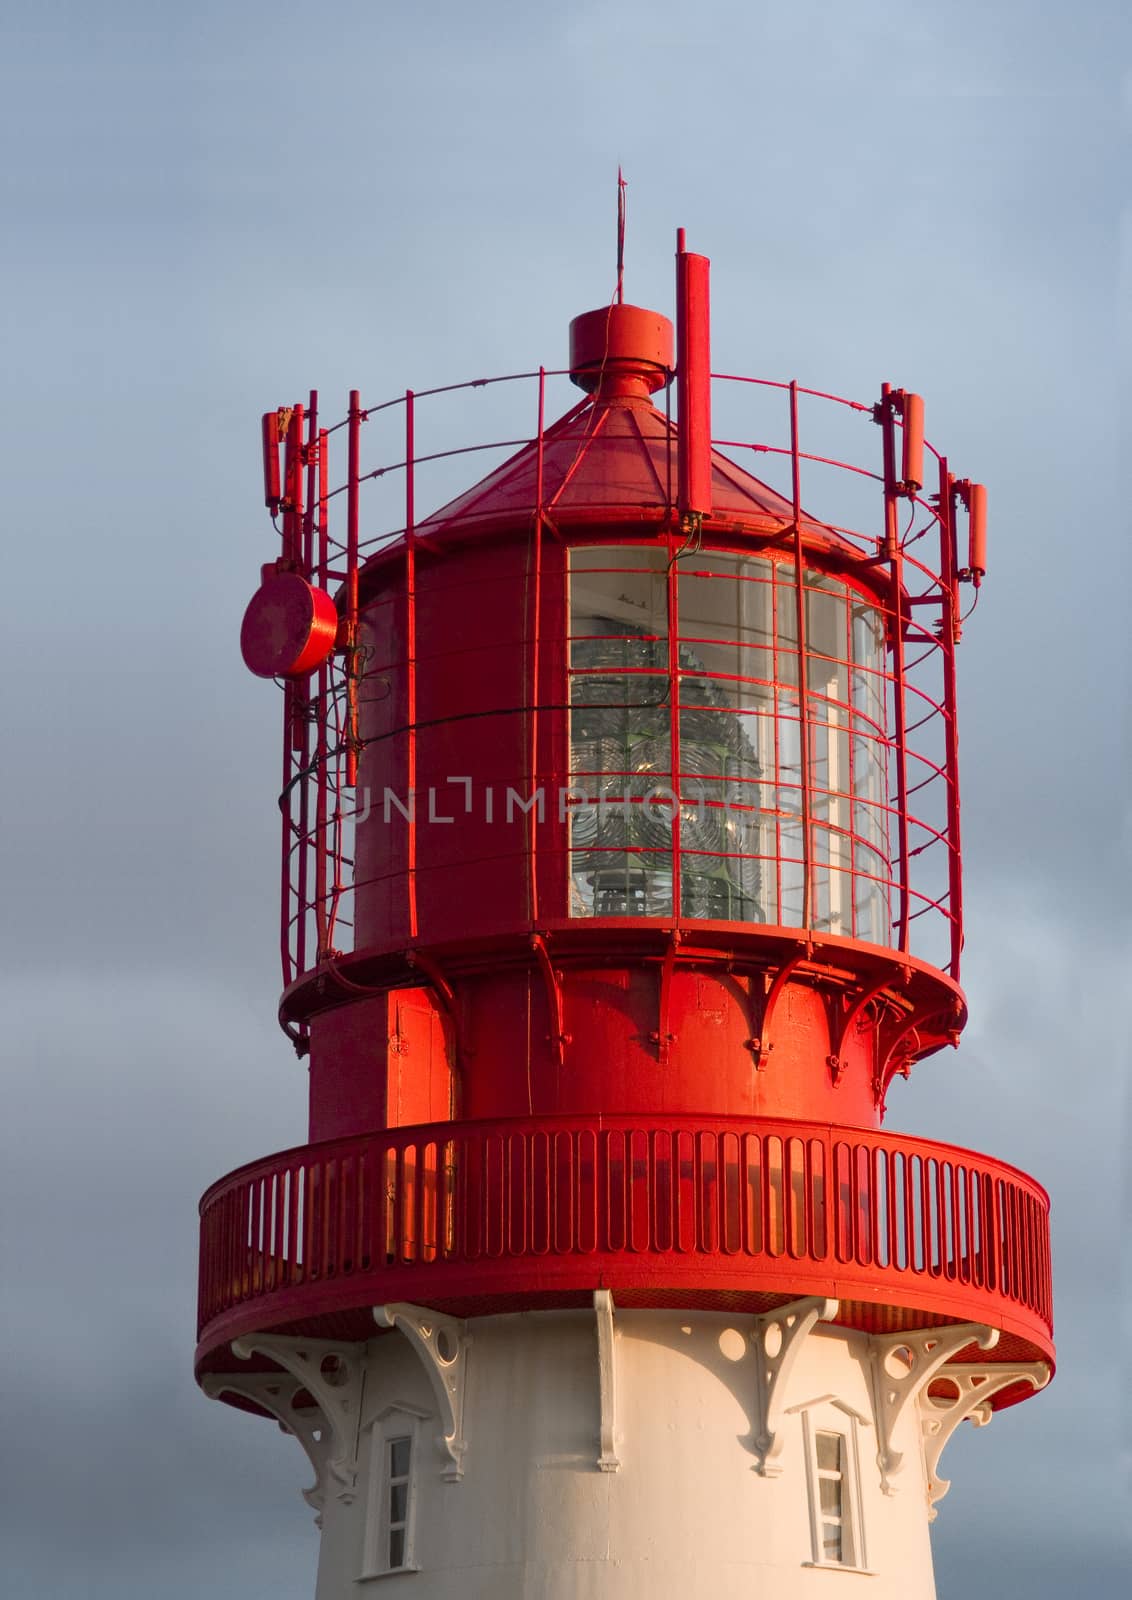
(565, 1455)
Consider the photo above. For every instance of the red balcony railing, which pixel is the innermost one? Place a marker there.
(727, 1212)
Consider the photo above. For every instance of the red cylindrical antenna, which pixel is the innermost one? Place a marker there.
(977, 532)
(292, 501)
(693, 381)
(272, 490)
(912, 455)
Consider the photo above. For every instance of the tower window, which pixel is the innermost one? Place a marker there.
(833, 1470)
(834, 1526)
(391, 1512)
(399, 1455)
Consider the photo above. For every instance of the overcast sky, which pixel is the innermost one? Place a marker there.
(210, 208)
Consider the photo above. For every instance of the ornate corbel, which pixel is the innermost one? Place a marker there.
(904, 1364)
(940, 1416)
(761, 1044)
(333, 1375)
(663, 1036)
(275, 1393)
(558, 1038)
(842, 1031)
(778, 1337)
(442, 1344)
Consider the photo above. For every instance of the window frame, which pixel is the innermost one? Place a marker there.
(830, 1415)
(397, 1421)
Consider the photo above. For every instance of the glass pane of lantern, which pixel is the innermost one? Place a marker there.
(721, 865)
(619, 616)
(620, 883)
(719, 743)
(786, 625)
(620, 725)
(726, 615)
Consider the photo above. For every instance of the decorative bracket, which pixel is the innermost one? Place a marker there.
(778, 1337)
(275, 1393)
(333, 1375)
(895, 1058)
(663, 1036)
(558, 1037)
(442, 1344)
(842, 1034)
(606, 1372)
(940, 1416)
(761, 1045)
(904, 1364)
(912, 1039)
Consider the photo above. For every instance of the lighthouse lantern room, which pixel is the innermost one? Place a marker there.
(620, 878)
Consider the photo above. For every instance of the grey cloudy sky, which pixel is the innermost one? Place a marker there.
(208, 209)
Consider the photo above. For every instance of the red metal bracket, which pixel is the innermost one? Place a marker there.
(886, 1071)
(761, 1044)
(836, 1059)
(557, 1037)
(663, 1036)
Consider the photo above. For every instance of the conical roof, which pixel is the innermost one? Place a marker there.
(613, 459)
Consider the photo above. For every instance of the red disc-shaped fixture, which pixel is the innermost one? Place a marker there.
(289, 627)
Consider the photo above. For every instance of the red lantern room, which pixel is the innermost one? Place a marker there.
(621, 861)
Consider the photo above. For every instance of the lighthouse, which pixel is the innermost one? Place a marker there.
(621, 876)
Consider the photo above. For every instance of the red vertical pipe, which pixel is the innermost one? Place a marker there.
(803, 703)
(411, 657)
(291, 506)
(310, 461)
(352, 482)
(293, 554)
(321, 776)
(949, 634)
(891, 486)
(673, 601)
(303, 842)
(693, 381)
(285, 805)
(894, 555)
(536, 621)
